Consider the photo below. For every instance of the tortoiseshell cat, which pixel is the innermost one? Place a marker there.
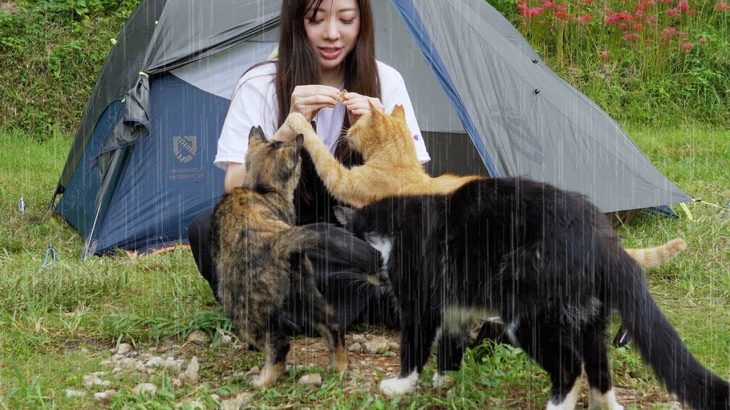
(392, 168)
(258, 252)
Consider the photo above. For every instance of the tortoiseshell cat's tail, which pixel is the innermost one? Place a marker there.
(659, 343)
(337, 243)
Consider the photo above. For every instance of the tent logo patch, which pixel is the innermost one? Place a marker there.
(185, 147)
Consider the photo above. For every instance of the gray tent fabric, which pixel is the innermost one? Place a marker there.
(485, 102)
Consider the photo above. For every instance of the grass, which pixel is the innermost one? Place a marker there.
(57, 323)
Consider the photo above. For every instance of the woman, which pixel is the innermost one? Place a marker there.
(325, 47)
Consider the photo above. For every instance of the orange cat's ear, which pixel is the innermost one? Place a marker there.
(399, 112)
(374, 110)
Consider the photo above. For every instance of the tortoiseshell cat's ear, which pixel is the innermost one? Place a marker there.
(256, 136)
(399, 112)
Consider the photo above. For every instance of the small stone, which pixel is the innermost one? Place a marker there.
(128, 362)
(74, 393)
(376, 345)
(124, 348)
(94, 380)
(172, 365)
(176, 383)
(393, 346)
(236, 402)
(154, 361)
(190, 404)
(314, 379)
(107, 362)
(190, 375)
(215, 397)
(253, 370)
(358, 338)
(118, 357)
(116, 370)
(105, 395)
(225, 340)
(198, 337)
(355, 348)
(144, 388)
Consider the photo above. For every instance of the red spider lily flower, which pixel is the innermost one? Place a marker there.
(615, 17)
(604, 54)
(638, 27)
(523, 7)
(548, 4)
(585, 18)
(623, 26)
(683, 35)
(683, 5)
(673, 12)
(721, 6)
(631, 36)
(702, 41)
(561, 15)
(686, 47)
(651, 20)
(668, 33)
(535, 11)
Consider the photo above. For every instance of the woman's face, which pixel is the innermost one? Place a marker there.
(333, 31)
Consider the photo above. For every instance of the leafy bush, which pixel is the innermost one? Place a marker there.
(51, 52)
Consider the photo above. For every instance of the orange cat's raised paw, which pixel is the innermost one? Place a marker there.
(297, 123)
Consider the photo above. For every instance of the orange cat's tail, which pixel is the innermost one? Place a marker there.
(652, 257)
(448, 183)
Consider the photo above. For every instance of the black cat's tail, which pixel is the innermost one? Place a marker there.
(337, 244)
(659, 343)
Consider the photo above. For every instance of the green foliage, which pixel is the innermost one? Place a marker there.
(51, 52)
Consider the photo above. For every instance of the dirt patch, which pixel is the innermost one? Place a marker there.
(8, 7)
(312, 352)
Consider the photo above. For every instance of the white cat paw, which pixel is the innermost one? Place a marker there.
(606, 401)
(442, 381)
(398, 386)
(298, 123)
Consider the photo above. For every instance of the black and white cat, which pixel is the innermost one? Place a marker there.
(546, 261)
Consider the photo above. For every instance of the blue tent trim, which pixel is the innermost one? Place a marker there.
(413, 21)
(78, 201)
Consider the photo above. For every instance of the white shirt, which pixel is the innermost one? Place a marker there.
(254, 103)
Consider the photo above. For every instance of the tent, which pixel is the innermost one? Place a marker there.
(140, 167)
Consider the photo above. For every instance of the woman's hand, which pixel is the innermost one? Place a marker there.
(309, 99)
(357, 105)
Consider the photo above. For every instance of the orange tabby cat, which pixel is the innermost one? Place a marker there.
(391, 168)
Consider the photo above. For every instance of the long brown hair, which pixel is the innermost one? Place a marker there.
(297, 65)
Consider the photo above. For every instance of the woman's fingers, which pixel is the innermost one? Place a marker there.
(309, 99)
